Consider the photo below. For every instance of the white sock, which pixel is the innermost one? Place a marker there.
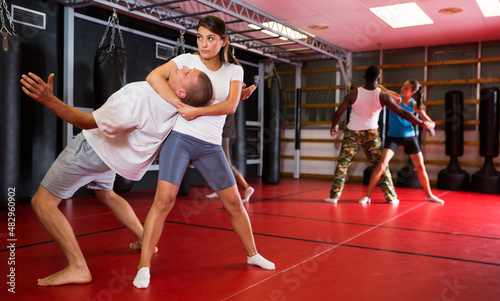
(142, 278)
(365, 200)
(434, 199)
(212, 195)
(248, 193)
(260, 261)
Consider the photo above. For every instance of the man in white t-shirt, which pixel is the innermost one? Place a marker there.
(123, 136)
(362, 131)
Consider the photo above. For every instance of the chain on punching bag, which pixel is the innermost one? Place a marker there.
(110, 75)
(10, 110)
(179, 47)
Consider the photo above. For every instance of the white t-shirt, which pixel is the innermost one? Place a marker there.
(132, 125)
(208, 128)
(365, 110)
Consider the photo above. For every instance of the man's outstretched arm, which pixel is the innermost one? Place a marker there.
(43, 92)
(386, 99)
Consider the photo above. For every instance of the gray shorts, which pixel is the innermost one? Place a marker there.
(180, 150)
(77, 166)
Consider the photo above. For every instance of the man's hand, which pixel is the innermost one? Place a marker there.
(246, 92)
(334, 132)
(43, 92)
(37, 89)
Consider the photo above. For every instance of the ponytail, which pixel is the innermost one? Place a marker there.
(418, 94)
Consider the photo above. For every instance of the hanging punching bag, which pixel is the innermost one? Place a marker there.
(453, 177)
(487, 180)
(240, 145)
(272, 129)
(110, 66)
(10, 110)
(110, 75)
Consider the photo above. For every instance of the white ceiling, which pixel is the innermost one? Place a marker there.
(353, 27)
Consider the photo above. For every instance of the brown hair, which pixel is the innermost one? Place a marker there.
(198, 92)
(415, 85)
(218, 26)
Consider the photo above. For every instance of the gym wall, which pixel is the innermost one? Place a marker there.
(43, 53)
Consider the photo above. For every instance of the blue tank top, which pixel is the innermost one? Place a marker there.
(400, 127)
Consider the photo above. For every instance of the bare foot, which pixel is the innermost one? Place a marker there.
(138, 246)
(67, 276)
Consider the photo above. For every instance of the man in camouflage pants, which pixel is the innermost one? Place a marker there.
(362, 130)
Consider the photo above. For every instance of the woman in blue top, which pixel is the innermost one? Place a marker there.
(401, 132)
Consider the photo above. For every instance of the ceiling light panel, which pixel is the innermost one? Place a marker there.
(489, 8)
(402, 15)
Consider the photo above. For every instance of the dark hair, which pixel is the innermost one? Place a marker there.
(372, 73)
(415, 86)
(198, 92)
(218, 26)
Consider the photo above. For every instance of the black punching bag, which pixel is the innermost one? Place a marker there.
(453, 177)
(487, 180)
(272, 129)
(240, 144)
(10, 109)
(110, 75)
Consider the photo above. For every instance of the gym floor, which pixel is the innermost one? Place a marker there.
(414, 251)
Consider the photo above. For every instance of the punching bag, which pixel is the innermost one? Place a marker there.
(453, 177)
(487, 180)
(272, 128)
(240, 146)
(110, 66)
(10, 109)
(110, 75)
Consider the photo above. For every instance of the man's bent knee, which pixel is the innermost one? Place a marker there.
(43, 199)
(105, 195)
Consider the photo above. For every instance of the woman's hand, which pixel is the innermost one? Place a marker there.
(188, 112)
(247, 92)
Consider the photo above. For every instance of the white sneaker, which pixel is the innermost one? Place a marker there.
(248, 193)
(393, 202)
(434, 199)
(212, 195)
(331, 200)
(365, 200)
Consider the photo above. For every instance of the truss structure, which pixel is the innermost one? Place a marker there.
(184, 15)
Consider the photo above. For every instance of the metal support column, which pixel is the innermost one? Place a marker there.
(298, 91)
(69, 62)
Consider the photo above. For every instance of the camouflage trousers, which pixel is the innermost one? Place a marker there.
(370, 141)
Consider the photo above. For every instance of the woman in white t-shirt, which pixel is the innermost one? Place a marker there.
(196, 139)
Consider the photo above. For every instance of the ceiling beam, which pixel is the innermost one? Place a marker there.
(154, 15)
(244, 11)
